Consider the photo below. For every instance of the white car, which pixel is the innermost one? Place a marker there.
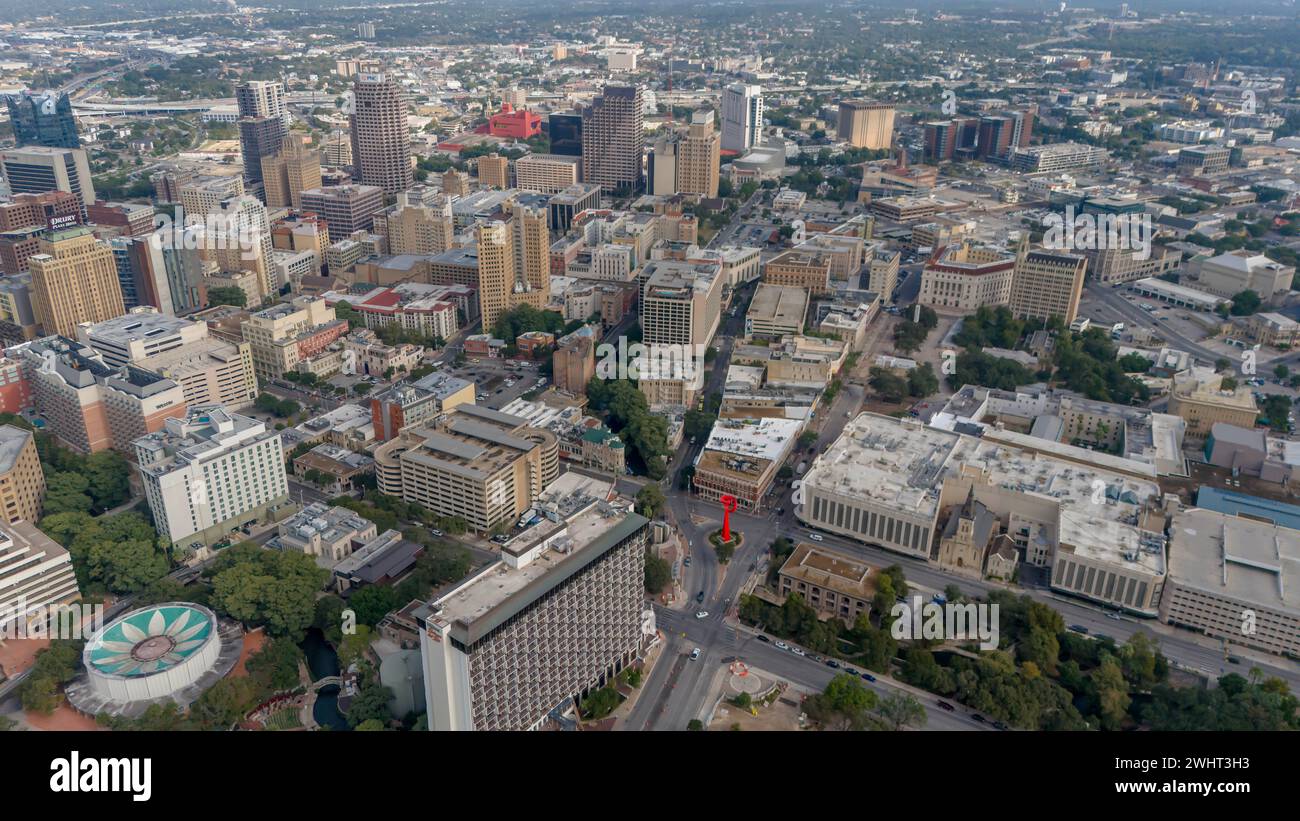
(798, 651)
(695, 654)
(702, 614)
(782, 645)
(816, 537)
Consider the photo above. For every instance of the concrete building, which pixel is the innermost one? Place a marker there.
(381, 141)
(742, 117)
(203, 195)
(1200, 398)
(74, 280)
(22, 482)
(966, 277)
(1056, 157)
(1234, 577)
(90, 406)
(776, 311)
(346, 208)
(36, 574)
(1045, 284)
(36, 169)
(330, 534)
(208, 369)
(210, 471)
(263, 123)
(494, 171)
(1229, 274)
(546, 173)
(681, 305)
(866, 124)
(698, 155)
(559, 616)
(1203, 160)
(613, 139)
(482, 465)
(573, 364)
(420, 229)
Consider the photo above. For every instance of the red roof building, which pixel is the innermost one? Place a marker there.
(518, 125)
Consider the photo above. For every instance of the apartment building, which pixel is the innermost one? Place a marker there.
(204, 194)
(286, 174)
(410, 404)
(210, 471)
(1045, 284)
(22, 482)
(966, 276)
(558, 617)
(74, 280)
(208, 369)
(482, 465)
(742, 117)
(263, 123)
(89, 405)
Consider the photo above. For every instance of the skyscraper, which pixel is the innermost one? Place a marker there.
(37, 169)
(742, 117)
(496, 267)
(565, 132)
(532, 257)
(866, 124)
(74, 280)
(613, 139)
(43, 119)
(381, 141)
(289, 172)
(1047, 284)
(698, 156)
(261, 123)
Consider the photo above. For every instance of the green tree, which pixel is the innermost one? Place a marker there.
(227, 296)
(900, 710)
(650, 500)
(657, 573)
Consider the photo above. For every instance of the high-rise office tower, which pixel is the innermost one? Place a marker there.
(289, 172)
(142, 273)
(245, 244)
(613, 139)
(43, 119)
(421, 229)
(74, 280)
(36, 169)
(940, 140)
(1047, 284)
(661, 167)
(262, 124)
(865, 124)
(742, 117)
(496, 267)
(532, 257)
(381, 141)
(565, 133)
(995, 136)
(1022, 126)
(494, 171)
(698, 156)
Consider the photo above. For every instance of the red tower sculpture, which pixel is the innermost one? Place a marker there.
(729, 505)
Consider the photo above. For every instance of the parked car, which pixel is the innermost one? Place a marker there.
(977, 717)
(695, 654)
(435, 532)
(699, 596)
(1079, 628)
(943, 705)
(782, 645)
(798, 651)
(762, 638)
(833, 664)
(868, 677)
(998, 725)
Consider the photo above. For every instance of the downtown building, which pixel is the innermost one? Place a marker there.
(208, 369)
(1047, 283)
(866, 124)
(965, 277)
(22, 481)
(613, 139)
(556, 618)
(262, 124)
(286, 337)
(74, 280)
(43, 119)
(742, 117)
(36, 169)
(288, 172)
(381, 140)
(346, 209)
(210, 471)
(485, 466)
(681, 308)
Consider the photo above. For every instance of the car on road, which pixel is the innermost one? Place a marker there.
(687, 561)
(1234, 660)
(798, 651)
(1114, 615)
(977, 717)
(998, 725)
(701, 614)
(699, 596)
(850, 671)
(1079, 628)
(782, 645)
(943, 705)
(816, 537)
(832, 663)
(868, 677)
(695, 654)
(436, 532)
(762, 638)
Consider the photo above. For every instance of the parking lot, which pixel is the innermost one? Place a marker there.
(497, 382)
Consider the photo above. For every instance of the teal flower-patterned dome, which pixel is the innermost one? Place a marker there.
(150, 640)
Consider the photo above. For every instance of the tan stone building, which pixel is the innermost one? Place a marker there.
(966, 277)
(698, 157)
(797, 268)
(494, 171)
(1045, 284)
(421, 229)
(22, 483)
(834, 584)
(546, 173)
(287, 174)
(74, 280)
(1201, 400)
